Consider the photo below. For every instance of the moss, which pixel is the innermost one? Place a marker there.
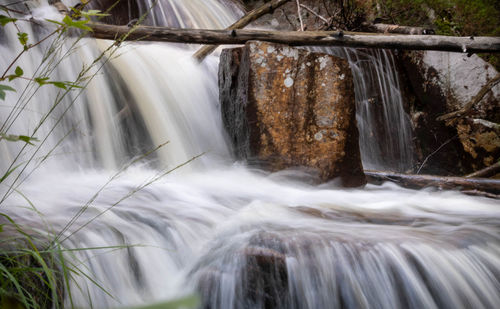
(447, 17)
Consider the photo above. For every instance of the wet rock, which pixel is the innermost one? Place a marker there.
(266, 277)
(285, 107)
(121, 13)
(443, 83)
(263, 280)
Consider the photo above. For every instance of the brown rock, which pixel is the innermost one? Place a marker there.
(285, 107)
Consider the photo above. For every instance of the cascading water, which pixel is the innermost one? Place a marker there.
(385, 130)
(240, 238)
(385, 133)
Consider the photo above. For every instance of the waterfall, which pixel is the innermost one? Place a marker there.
(235, 236)
(385, 132)
(384, 126)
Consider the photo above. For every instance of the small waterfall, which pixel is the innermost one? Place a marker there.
(198, 14)
(385, 132)
(385, 129)
(239, 238)
(141, 97)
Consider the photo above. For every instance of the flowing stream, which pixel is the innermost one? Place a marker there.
(157, 229)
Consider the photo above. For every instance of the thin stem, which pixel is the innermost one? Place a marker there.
(300, 16)
(28, 47)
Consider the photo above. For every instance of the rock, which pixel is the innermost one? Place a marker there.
(285, 107)
(262, 280)
(121, 13)
(443, 83)
(266, 277)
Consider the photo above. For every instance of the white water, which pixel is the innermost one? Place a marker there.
(380, 112)
(379, 109)
(238, 237)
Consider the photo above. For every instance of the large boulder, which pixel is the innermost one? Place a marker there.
(286, 107)
(443, 83)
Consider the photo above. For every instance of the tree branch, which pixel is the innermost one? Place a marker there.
(487, 87)
(241, 23)
(486, 172)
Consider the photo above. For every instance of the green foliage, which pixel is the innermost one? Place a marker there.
(59, 84)
(19, 72)
(4, 20)
(78, 24)
(35, 270)
(7, 173)
(3, 89)
(23, 39)
(29, 277)
(447, 17)
(18, 138)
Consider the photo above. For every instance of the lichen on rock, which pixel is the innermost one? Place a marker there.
(297, 110)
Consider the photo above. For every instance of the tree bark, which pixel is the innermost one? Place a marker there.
(302, 38)
(387, 28)
(440, 182)
(242, 22)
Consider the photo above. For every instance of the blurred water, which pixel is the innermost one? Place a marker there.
(241, 238)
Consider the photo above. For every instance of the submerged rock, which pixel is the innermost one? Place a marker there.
(285, 107)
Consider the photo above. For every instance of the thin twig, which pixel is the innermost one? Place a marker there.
(28, 48)
(5, 8)
(300, 16)
(478, 97)
(315, 14)
(433, 153)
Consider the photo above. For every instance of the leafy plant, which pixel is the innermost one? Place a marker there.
(34, 269)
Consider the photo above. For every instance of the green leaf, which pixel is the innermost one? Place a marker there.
(27, 139)
(55, 22)
(4, 88)
(79, 24)
(19, 71)
(4, 20)
(41, 80)
(89, 13)
(67, 20)
(23, 38)
(8, 173)
(16, 138)
(61, 85)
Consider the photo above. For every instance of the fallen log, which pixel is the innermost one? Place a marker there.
(489, 171)
(388, 28)
(242, 22)
(299, 38)
(440, 182)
